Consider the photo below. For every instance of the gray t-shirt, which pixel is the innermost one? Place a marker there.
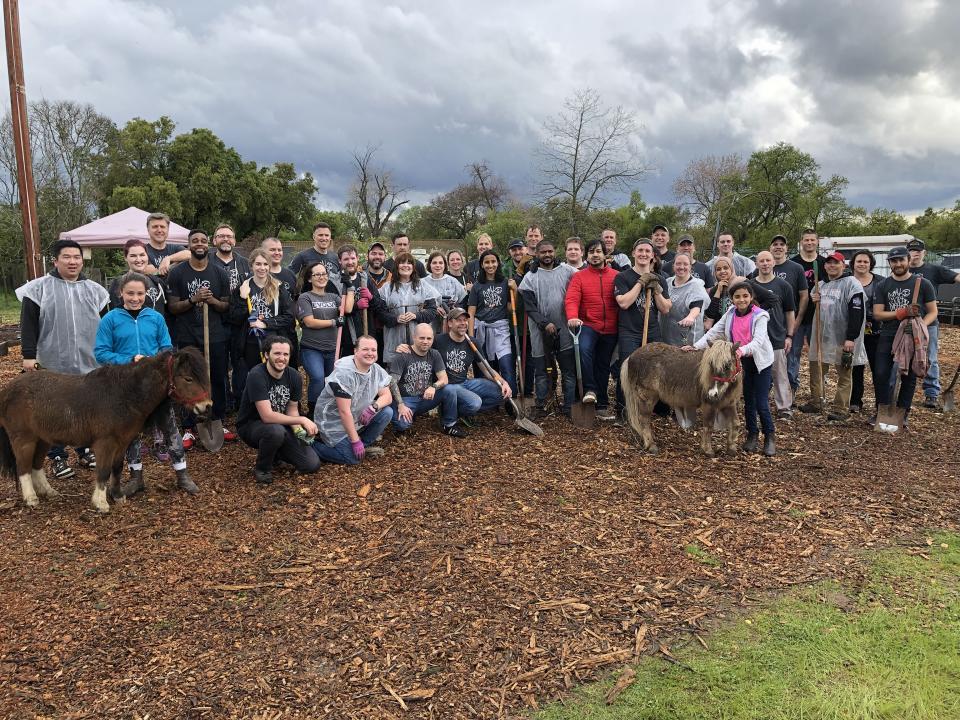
(346, 381)
(322, 306)
(415, 373)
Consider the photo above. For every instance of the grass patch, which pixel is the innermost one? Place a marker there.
(9, 308)
(890, 650)
(698, 553)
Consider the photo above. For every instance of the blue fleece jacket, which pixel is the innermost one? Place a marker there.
(121, 336)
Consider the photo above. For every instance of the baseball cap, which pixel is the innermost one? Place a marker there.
(915, 244)
(455, 312)
(778, 237)
(377, 244)
(836, 255)
(516, 244)
(898, 252)
(660, 227)
(685, 240)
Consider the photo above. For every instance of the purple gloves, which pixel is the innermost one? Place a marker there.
(367, 415)
(359, 450)
(365, 296)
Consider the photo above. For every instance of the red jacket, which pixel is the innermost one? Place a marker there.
(590, 298)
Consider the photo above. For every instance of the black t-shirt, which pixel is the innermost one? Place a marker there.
(457, 357)
(490, 299)
(288, 281)
(699, 270)
(895, 294)
(812, 279)
(238, 269)
(183, 281)
(261, 385)
(667, 257)
(777, 327)
(305, 257)
(631, 319)
(937, 275)
(156, 256)
(414, 373)
(793, 274)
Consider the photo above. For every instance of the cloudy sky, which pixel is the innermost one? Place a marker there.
(869, 88)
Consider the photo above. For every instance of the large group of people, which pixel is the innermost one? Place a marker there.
(385, 341)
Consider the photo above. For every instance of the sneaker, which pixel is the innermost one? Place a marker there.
(188, 439)
(454, 431)
(467, 422)
(88, 460)
(61, 469)
(161, 453)
(785, 415)
(229, 435)
(837, 417)
(263, 477)
(855, 408)
(930, 402)
(590, 397)
(810, 407)
(606, 414)
(375, 452)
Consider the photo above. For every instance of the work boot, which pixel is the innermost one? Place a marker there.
(185, 483)
(135, 484)
(769, 447)
(263, 477)
(751, 443)
(811, 407)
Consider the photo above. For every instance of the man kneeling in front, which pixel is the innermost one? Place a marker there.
(354, 407)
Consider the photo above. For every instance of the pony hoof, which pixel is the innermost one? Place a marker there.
(32, 502)
(51, 493)
(653, 450)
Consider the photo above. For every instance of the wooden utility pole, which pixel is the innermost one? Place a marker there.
(21, 140)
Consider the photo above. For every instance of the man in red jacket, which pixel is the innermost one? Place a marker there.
(592, 310)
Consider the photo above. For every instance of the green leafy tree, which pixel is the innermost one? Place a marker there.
(939, 229)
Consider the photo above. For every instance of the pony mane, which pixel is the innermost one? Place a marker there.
(715, 360)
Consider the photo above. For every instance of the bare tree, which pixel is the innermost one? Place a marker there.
(491, 188)
(587, 152)
(708, 179)
(375, 196)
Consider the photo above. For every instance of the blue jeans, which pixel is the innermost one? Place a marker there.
(318, 365)
(419, 406)
(931, 383)
(886, 377)
(342, 452)
(802, 332)
(472, 396)
(595, 353)
(756, 397)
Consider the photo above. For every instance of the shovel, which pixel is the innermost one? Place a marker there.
(949, 403)
(523, 399)
(522, 422)
(582, 414)
(209, 433)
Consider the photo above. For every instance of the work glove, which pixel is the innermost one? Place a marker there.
(359, 450)
(338, 322)
(909, 311)
(365, 297)
(367, 415)
(649, 280)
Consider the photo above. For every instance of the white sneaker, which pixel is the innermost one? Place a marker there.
(590, 397)
(374, 452)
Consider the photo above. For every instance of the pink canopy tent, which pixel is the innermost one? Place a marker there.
(114, 230)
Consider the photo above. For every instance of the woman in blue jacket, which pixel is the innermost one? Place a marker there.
(129, 334)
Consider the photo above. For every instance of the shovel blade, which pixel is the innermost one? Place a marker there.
(889, 419)
(583, 414)
(210, 435)
(522, 421)
(949, 403)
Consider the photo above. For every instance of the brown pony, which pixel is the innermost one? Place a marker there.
(104, 410)
(707, 379)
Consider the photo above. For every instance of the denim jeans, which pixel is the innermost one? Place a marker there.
(931, 383)
(318, 365)
(756, 397)
(342, 452)
(419, 406)
(595, 353)
(568, 379)
(793, 360)
(886, 377)
(870, 346)
(472, 396)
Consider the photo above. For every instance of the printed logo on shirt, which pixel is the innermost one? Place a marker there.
(234, 276)
(153, 293)
(324, 305)
(456, 360)
(899, 297)
(193, 286)
(279, 396)
(417, 377)
(261, 307)
(493, 296)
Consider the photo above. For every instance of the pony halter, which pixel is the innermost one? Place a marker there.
(733, 375)
(172, 390)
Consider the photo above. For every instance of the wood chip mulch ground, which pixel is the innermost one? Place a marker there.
(449, 579)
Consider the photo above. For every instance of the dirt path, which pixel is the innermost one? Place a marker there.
(475, 579)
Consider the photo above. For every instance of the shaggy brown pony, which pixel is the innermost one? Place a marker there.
(706, 379)
(104, 410)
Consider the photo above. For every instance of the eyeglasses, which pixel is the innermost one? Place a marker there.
(318, 275)
(221, 236)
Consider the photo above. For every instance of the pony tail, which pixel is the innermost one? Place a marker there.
(631, 398)
(8, 461)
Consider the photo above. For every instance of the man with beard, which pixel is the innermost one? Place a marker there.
(285, 276)
(270, 412)
(937, 275)
(894, 302)
(617, 260)
(161, 254)
(742, 265)
(401, 244)
(421, 381)
(699, 270)
(379, 276)
(193, 285)
(59, 317)
(369, 304)
(661, 243)
(543, 293)
(320, 252)
(780, 329)
(812, 263)
(238, 270)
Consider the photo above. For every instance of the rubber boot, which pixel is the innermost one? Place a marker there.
(751, 443)
(769, 447)
(135, 484)
(185, 483)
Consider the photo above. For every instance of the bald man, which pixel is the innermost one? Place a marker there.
(418, 381)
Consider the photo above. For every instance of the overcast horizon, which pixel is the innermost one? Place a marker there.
(872, 96)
